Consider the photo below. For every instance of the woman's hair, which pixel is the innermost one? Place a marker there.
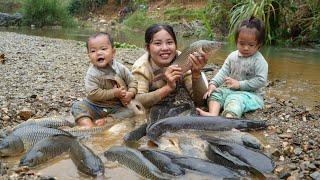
(156, 28)
(100, 34)
(251, 23)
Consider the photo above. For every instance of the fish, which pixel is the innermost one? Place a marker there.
(47, 149)
(86, 160)
(235, 136)
(136, 134)
(163, 162)
(205, 123)
(11, 145)
(200, 165)
(134, 105)
(249, 158)
(207, 167)
(133, 159)
(28, 135)
(200, 46)
(83, 132)
(186, 143)
(51, 122)
(197, 48)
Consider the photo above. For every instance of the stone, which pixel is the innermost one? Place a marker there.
(25, 113)
(315, 175)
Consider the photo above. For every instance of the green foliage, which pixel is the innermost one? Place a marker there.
(124, 45)
(177, 13)
(46, 13)
(10, 6)
(139, 20)
(217, 17)
(263, 9)
(80, 7)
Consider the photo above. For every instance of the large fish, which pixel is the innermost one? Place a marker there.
(197, 48)
(51, 122)
(235, 136)
(47, 149)
(134, 160)
(136, 134)
(85, 160)
(201, 46)
(215, 123)
(240, 155)
(200, 165)
(28, 135)
(163, 162)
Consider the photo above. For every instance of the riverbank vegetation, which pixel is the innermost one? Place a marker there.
(288, 22)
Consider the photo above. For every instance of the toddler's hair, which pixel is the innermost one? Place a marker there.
(100, 34)
(252, 22)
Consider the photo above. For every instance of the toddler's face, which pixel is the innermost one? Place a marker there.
(100, 51)
(247, 43)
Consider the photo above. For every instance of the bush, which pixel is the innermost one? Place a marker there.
(46, 13)
(10, 6)
(79, 7)
(139, 20)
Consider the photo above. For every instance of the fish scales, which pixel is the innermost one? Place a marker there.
(260, 162)
(134, 160)
(76, 131)
(86, 160)
(163, 162)
(52, 122)
(34, 133)
(201, 46)
(214, 123)
(47, 149)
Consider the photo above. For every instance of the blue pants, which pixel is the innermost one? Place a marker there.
(236, 102)
(84, 108)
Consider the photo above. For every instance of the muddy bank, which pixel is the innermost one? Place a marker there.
(41, 77)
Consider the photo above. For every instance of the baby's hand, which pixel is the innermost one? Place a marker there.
(119, 92)
(231, 83)
(211, 88)
(127, 98)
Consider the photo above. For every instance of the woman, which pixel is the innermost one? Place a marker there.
(156, 78)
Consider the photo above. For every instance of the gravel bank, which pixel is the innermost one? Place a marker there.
(41, 77)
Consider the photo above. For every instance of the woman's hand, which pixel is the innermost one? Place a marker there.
(172, 74)
(231, 83)
(198, 61)
(211, 88)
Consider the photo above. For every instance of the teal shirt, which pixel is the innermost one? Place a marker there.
(251, 72)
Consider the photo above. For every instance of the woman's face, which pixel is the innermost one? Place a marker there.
(162, 48)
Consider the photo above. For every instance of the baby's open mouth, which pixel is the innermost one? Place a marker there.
(100, 59)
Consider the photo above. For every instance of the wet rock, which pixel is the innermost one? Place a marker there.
(297, 151)
(315, 175)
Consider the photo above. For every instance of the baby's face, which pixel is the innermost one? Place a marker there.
(100, 51)
(247, 43)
